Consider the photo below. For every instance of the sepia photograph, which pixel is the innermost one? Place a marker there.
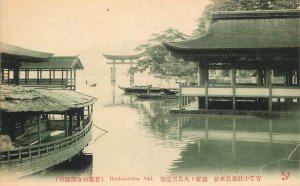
(150, 92)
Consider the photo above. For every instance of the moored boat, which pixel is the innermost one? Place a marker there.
(156, 96)
(147, 89)
(41, 128)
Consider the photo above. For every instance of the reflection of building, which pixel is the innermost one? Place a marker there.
(263, 41)
(234, 144)
(25, 67)
(121, 60)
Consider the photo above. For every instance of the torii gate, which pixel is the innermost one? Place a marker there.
(121, 60)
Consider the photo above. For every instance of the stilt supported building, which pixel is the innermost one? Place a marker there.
(264, 42)
(121, 60)
(26, 67)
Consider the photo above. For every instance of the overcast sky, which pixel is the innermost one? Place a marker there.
(91, 27)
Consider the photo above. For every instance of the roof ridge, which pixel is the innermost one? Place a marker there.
(65, 57)
(285, 13)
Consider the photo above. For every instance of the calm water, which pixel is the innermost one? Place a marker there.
(143, 139)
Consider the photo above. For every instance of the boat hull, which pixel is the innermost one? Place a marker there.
(145, 89)
(155, 96)
(47, 155)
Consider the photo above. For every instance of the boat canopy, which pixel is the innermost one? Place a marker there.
(25, 99)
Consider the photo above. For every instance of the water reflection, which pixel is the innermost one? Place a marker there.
(182, 144)
(220, 143)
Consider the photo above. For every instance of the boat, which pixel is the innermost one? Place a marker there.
(41, 128)
(93, 84)
(149, 89)
(156, 96)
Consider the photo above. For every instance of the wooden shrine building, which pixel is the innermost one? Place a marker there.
(121, 60)
(264, 42)
(26, 67)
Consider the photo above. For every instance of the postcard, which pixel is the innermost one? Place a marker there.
(141, 92)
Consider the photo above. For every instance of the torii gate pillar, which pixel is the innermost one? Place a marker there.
(113, 71)
(121, 60)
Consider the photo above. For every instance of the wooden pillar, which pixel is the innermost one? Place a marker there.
(26, 76)
(82, 117)
(269, 85)
(1, 75)
(39, 129)
(16, 75)
(38, 76)
(50, 76)
(233, 84)
(259, 77)
(67, 77)
(41, 74)
(78, 119)
(70, 124)
(66, 125)
(200, 74)
(71, 77)
(201, 82)
(298, 74)
(74, 79)
(180, 97)
(206, 82)
(62, 76)
(289, 77)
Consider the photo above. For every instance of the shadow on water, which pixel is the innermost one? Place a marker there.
(79, 165)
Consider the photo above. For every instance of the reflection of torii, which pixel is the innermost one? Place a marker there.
(121, 60)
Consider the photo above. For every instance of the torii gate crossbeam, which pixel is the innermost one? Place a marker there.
(121, 60)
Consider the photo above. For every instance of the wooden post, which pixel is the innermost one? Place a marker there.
(78, 119)
(180, 97)
(16, 75)
(8, 71)
(233, 83)
(62, 76)
(38, 76)
(269, 84)
(67, 77)
(82, 117)
(206, 96)
(41, 76)
(259, 77)
(39, 129)
(206, 82)
(70, 124)
(50, 76)
(66, 125)
(200, 74)
(74, 79)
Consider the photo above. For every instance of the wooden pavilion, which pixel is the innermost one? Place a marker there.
(266, 42)
(26, 67)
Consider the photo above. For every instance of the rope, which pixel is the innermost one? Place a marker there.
(105, 131)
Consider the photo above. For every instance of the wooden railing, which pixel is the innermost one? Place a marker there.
(66, 82)
(34, 151)
(241, 91)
